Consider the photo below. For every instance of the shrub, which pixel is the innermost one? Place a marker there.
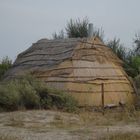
(29, 96)
(132, 65)
(130, 58)
(27, 92)
(9, 96)
(77, 28)
(15, 94)
(63, 100)
(137, 44)
(117, 48)
(5, 64)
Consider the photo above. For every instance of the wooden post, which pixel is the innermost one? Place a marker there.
(102, 88)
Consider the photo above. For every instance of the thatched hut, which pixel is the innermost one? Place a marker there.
(84, 68)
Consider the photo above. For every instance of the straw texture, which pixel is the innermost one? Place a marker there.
(78, 67)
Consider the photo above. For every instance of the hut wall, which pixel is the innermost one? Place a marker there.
(92, 65)
(77, 67)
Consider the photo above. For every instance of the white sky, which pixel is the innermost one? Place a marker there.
(23, 22)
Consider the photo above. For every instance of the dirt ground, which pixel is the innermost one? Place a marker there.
(54, 125)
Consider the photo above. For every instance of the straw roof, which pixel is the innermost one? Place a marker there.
(46, 54)
(76, 66)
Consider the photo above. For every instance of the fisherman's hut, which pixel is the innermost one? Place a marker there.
(84, 68)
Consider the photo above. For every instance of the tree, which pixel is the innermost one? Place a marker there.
(132, 65)
(5, 64)
(131, 61)
(137, 43)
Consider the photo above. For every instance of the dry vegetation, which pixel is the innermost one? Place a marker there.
(122, 136)
(116, 124)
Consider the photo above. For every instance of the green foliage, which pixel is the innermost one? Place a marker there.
(117, 48)
(132, 61)
(132, 64)
(130, 58)
(29, 96)
(137, 43)
(77, 28)
(18, 94)
(27, 92)
(63, 100)
(5, 64)
(136, 64)
(9, 96)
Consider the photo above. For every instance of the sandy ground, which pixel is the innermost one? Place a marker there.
(54, 125)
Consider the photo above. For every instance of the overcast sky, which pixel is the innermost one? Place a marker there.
(23, 22)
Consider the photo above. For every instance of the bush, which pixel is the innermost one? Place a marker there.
(77, 28)
(63, 100)
(5, 64)
(132, 65)
(9, 96)
(137, 44)
(29, 93)
(117, 48)
(15, 95)
(130, 58)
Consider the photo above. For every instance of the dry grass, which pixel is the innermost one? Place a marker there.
(114, 125)
(122, 136)
(9, 137)
(66, 122)
(111, 117)
(90, 119)
(15, 121)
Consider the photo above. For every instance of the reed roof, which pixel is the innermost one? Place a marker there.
(48, 54)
